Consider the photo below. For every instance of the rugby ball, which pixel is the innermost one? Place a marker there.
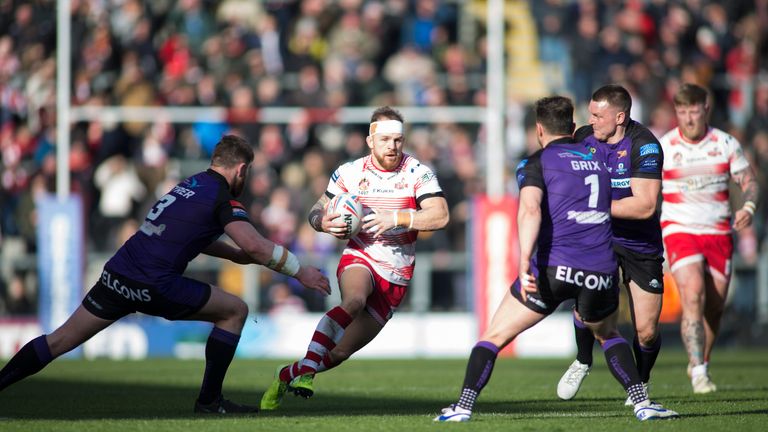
(351, 211)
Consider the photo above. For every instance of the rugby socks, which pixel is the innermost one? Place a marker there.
(585, 341)
(479, 368)
(31, 359)
(619, 358)
(328, 333)
(646, 357)
(219, 352)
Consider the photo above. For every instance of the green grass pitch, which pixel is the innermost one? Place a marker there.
(382, 395)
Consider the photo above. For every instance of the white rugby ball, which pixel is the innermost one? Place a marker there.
(351, 211)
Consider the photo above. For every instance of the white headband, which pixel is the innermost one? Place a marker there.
(385, 127)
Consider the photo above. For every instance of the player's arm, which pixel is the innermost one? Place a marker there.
(642, 203)
(746, 180)
(224, 250)
(274, 256)
(645, 180)
(528, 223)
(530, 180)
(433, 215)
(326, 223)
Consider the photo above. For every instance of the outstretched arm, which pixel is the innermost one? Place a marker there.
(642, 203)
(222, 249)
(274, 256)
(749, 192)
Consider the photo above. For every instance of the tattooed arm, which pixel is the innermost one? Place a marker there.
(748, 184)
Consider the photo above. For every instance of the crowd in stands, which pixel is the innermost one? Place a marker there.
(330, 54)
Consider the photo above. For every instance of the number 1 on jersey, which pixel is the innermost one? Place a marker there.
(594, 189)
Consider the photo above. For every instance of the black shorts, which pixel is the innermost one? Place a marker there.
(115, 296)
(596, 294)
(646, 270)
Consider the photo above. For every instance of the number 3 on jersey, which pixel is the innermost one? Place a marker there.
(167, 200)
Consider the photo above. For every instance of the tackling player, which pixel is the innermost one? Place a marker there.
(635, 162)
(564, 215)
(699, 161)
(145, 274)
(401, 197)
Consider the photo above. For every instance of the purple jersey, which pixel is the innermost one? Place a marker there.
(177, 228)
(575, 222)
(638, 154)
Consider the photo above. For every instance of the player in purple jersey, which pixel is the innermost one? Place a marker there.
(635, 160)
(145, 275)
(564, 215)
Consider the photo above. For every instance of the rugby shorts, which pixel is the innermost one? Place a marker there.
(386, 296)
(646, 270)
(715, 250)
(596, 294)
(115, 296)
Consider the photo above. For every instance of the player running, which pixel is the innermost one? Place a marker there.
(635, 162)
(402, 198)
(145, 274)
(699, 161)
(564, 214)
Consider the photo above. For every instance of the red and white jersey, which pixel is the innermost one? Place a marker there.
(392, 254)
(695, 182)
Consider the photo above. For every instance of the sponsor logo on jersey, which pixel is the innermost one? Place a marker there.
(714, 153)
(427, 177)
(522, 164)
(621, 154)
(151, 229)
(654, 283)
(621, 170)
(649, 165)
(191, 182)
(567, 153)
(402, 184)
(238, 210)
(677, 159)
(580, 278)
(589, 217)
(650, 148)
(620, 183)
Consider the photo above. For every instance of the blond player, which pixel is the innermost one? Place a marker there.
(400, 197)
(697, 224)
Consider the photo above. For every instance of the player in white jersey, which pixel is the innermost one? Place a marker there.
(696, 222)
(400, 197)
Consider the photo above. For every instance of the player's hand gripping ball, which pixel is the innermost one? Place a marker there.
(351, 211)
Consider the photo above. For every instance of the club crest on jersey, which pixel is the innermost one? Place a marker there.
(363, 185)
(402, 184)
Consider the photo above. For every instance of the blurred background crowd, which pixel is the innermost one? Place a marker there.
(326, 55)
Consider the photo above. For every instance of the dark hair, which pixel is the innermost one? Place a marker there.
(616, 96)
(690, 94)
(555, 114)
(230, 151)
(387, 113)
